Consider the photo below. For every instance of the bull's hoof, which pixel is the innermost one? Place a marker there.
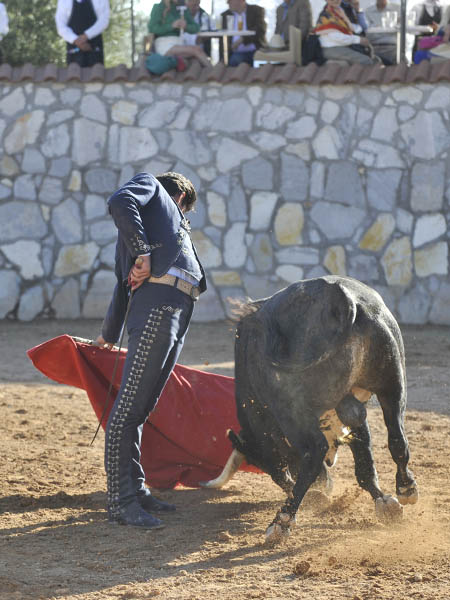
(388, 510)
(408, 495)
(279, 530)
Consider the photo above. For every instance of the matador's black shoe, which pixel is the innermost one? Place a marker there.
(135, 516)
(152, 504)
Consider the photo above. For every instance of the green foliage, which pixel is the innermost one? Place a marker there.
(32, 36)
(117, 38)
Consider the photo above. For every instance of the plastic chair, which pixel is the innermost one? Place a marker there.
(293, 55)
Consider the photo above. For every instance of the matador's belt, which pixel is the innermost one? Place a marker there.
(184, 286)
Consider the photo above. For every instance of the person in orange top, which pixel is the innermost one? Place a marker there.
(340, 39)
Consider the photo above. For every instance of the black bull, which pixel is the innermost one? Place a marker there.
(307, 359)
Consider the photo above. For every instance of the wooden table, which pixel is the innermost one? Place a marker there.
(225, 34)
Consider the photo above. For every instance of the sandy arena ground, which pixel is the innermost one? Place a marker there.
(56, 543)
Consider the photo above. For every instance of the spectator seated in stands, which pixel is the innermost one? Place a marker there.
(246, 17)
(340, 39)
(436, 48)
(427, 13)
(355, 14)
(203, 20)
(166, 24)
(384, 44)
(296, 13)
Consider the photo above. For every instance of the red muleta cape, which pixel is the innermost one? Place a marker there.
(184, 439)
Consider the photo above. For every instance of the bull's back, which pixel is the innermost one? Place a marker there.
(314, 341)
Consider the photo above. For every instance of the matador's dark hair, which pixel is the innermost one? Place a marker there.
(174, 183)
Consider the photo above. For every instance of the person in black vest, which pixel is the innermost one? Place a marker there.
(426, 13)
(156, 259)
(80, 23)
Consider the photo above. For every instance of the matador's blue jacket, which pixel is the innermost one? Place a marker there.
(148, 221)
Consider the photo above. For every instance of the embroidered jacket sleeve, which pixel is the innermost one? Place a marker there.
(124, 207)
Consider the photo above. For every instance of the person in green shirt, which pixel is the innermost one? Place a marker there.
(167, 24)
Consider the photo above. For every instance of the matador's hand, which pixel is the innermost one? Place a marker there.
(100, 342)
(140, 271)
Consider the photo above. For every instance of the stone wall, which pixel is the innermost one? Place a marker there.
(293, 182)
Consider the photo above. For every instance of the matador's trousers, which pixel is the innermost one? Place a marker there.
(157, 323)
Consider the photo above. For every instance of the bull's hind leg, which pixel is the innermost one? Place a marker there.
(393, 411)
(387, 507)
(353, 414)
(365, 470)
(311, 446)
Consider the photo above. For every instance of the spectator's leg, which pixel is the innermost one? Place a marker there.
(190, 52)
(421, 55)
(346, 53)
(237, 58)
(94, 57)
(76, 57)
(387, 53)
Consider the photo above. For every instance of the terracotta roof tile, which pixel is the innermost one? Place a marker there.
(236, 74)
(372, 74)
(418, 72)
(215, 74)
(139, 73)
(47, 73)
(305, 74)
(193, 72)
(172, 76)
(70, 73)
(5, 72)
(327, 73)
(259, 75)
(439, 72)
(27, 72)
(351, 74)
(282, 74)
(395, 74)
(210, 74)
(119, 73)
(268, 74)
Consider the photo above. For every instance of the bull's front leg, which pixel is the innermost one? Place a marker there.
(312, 447)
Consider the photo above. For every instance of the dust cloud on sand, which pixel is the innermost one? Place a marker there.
(56, 543)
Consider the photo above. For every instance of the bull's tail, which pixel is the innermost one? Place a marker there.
(233, 463)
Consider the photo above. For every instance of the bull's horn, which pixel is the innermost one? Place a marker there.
(233, 463)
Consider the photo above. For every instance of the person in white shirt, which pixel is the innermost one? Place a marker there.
(4, 26)
(384, 44)
(80, 23)
(426, 13)
(245, 16)
(341, 39)
(202, 19)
